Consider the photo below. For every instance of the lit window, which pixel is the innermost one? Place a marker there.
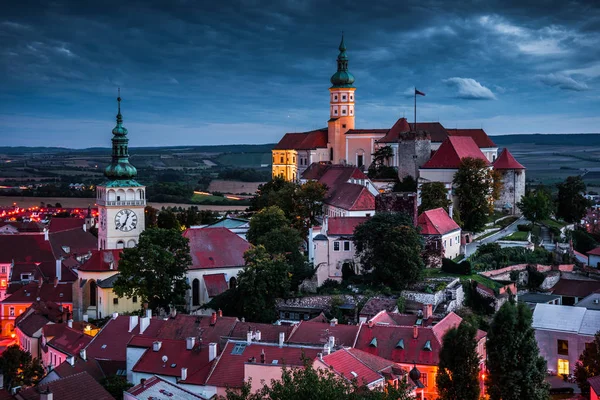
(11, 311)
(424, 379)
(336, 246)
(3, 269)
(346, 246)
(563, 347)
(563, 367)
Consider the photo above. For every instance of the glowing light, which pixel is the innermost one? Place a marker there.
(12, 335)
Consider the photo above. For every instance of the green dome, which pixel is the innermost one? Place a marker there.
(120, 170)
(342, 78)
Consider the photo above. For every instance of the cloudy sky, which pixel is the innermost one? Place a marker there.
(200, 72)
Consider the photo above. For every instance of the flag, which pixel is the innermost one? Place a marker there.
(417, 92)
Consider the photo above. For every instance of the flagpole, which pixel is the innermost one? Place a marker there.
(415, 108)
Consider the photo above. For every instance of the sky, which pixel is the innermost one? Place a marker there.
(222, 72)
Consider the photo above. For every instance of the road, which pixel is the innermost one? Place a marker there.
(472, 247)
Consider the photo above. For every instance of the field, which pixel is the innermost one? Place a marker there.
(519, 236)
(234, 187)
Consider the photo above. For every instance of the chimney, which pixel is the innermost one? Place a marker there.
(333, 322)
(427, 311)
(320, 355)
(415, 332)
(220, 313)
(326, 349)
(71, 360)
(213, 318)
(59, 269)
(84, 228)
(173, 312)
(311, 246)
(257, 336)
(331, 342)
(55, 281)
(189, 343)
(249, 336)
(262, 356)
(148, 313)
(156, 345)
(212, 351)
(46, 235)
(83, 354)
(183, 374)
(70, 323)
(111, 265)
(46, 395)
(144, 323)
(85, 317)
(281, 338)
(450, 210)
(133, 321)
(115, 315)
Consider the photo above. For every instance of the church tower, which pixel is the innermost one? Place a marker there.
(341, 108)
(121, 200)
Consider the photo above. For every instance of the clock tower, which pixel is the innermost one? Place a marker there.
(121, 200)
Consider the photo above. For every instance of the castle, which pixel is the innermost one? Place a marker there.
(428, 152)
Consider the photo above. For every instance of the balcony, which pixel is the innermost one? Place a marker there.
(101, 202)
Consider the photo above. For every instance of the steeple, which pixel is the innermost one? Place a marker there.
(342, 78)
(120, 168)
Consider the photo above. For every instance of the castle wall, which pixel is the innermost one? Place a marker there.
(512, 191)
(414, 150)
(360, 145)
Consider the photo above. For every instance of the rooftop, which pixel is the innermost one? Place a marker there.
(101, 261)
(480, 137)
(344, 226)
(452, 151)
(436, 222)
(25, 248)
(268, 332)
(346, 364)
(65, 224)
(303, 141)
(156, 388)
(215, 248)
(67, 340)
(506, 161)
(575, 288)
(61, 293)
(318, 333)
(566, 319)
(69, 388)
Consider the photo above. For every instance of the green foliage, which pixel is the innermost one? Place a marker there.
(168, 220)
(473, 184)
(481, 305)
(116, 385)
(192, 216)
(150, 217)
(583, 241)
(515, 369)
(19, 368)
(401, 304)
(534, 277)
(434, 195)
(458, 373)
(155, 269)
(490, 256)
(588, 365)
(389, 248)
(571, 205)
(245, 174)
(536, 206)
(266, 220)
(408, 184)
(525, 227)
(463, 268)
(167, 192)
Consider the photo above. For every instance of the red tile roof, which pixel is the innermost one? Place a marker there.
(352, 197)
(303, 141)
(215, 248)
(452, 151)
(269, 333)
(62, 293)
(374, 362)
(436, 222)
(31, 323)
(47, 270)
(317, 334)
(65, 224)
(450, 321)
(184, 326)
(436, 131)
(594, 252)
(229, 369)
(111, 342)
(73, 241)
(196, 361)
(102, 260)
(24, 248)
(69, 388)
(90, 366)
(67, 340)
(478, 135)
(506, 161)
(39, 314)
(366, 131)
(22, 227)
(595, 384)
(393, 135)
(346, 364)
(575, 288)
(344, 225)
(315, 170)
(215, 284)
(155, 386)
(26, 268)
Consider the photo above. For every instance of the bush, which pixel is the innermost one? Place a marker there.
(329, 287)
(451, 267)
(524, 227)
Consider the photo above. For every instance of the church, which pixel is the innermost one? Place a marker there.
(428, 152)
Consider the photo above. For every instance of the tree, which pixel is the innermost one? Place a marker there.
(168, 220)
(458, 373)
(583, 241)
(535, 206)
(277, 192)
(588, 365)
(389, 247)
(155, 269)
(408, 184)
(116, 385)
(266, 220)
(19, 368)
(571, 205)
(475, 188)
(515, 368)
(308, 205)
(150, 217)
(434, 195)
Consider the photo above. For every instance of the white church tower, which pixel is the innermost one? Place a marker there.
(121, 200)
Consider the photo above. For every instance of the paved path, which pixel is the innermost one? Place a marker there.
(472, 247)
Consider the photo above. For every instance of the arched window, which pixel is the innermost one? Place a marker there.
(120, 244)
(232, 282)
(131, 243)
(93, 293)
(196, 292)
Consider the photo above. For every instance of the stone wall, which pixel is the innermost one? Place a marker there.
(398, 202)
(550, 280)
(414, 150)
(512, 191)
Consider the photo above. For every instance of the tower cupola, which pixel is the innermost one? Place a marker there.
(342, 78)
(120, 168)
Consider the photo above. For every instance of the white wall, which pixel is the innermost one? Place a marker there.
(451, 243)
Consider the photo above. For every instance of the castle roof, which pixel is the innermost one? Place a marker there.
(452, 151)
(393, 135)
(478, 135)
(436, 130)
(303, 140)
(507, 161)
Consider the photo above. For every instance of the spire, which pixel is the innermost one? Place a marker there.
(120, 168)
(342, 78)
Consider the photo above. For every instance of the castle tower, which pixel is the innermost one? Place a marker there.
(121, 200)
(414, 150)
(513, 179)
(341, 107)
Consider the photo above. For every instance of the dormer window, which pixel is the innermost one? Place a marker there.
(373, 342)
(400, 344)
(427, 346)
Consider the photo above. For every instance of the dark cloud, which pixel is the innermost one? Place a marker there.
(255, 68)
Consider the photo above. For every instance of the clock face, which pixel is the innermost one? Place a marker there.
(125, 220)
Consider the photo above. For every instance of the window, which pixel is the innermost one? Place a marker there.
(344, 97)
(116, 301)
(563, 367)
(336, 246)
(563, 347)
(351, 97)
(359, 160)
(238, 348)
(118, 198)
(350, 112)
(196, 292)
(134, 299)
(344, 112)
(4, 269)
(11, 311)
(424, 379)
(444, 244)
(343, 125)
(281, 160)
(346, 246)
(335, 111)
(451, 242)
(294, 159)
(335, 97)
